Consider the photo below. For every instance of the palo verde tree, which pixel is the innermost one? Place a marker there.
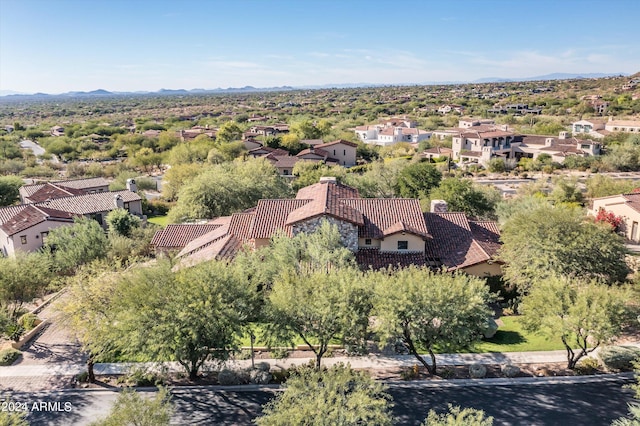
(335, 396)
(131, 408)
(75, 245)
(319, 307)
(425, 309)
(584, 315)
(457, 416)
(417, 180)
(547, 240)
(193, 315)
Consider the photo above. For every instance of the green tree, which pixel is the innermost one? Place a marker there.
(462, 195)
(583, 315)
(319, 307)
(192, 316)
(9, 189)
(177, 176)
(75, 245)
(458, 417)
(566, 190)
(547, 240)
(12, 418)
(602, 186)
(131, 408)
(121, 222)
(22, 279)
(229, 132)
(307, 173)
(337, 396)
(428, 310)
(88, 310)
(227, 188)
(417, 180)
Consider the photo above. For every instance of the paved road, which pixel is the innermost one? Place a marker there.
(539, 403)
(37, 149)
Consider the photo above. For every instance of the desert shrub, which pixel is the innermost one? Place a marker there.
(144, 377)
(259, 377)
(159, 207)
(410, 373)
(9, 356)
(28, 321)
(228, 377)
(263, 366)
(587, 366)
(477, 371)
(243, 354)
(510, 370)
(280, 376)
(619, 357)
(83, 377)
(14, 330)
(446, 372)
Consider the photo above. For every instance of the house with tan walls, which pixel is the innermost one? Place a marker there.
(626, 206)
(24, 227)
(381, 232)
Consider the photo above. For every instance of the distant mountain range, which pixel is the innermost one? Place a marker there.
(102, 92)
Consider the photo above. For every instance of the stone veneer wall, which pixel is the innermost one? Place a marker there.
(348, 231)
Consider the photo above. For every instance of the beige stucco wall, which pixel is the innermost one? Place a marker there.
(13, 243)
(390, 243)
(343, 153)
(374, 243)
(484, 269)
(619, 207)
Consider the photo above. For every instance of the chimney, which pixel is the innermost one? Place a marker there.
(131, 185)
(118, 201)
(563, 135)
(438, 206)
(548, 142)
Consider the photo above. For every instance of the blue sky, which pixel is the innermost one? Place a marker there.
(55, 46)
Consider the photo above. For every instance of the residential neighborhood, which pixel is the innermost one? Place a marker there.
(319, 213)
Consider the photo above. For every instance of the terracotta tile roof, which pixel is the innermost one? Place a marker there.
(179, 235)
(6, 213)
(204, 240)
(455, 244)
(90, 203)
(326, 200)
(438, 150)
(28, 190)
(375, 259)
(319, 152)
(240, 225)
(632, 200)
(487, 235)
(30, 216)
(403, 227)
(49, 191)
(223, 248)
(286, 161)
(381, 213)
(271, 215)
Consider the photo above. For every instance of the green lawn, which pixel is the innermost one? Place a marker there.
(159, 220)
(510, 337)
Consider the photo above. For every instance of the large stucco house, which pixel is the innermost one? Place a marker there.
(479, 144)
(625, 206)
(24, 227)
(381, 232)
(391, 131)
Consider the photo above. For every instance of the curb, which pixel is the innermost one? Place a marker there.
(617, 377)
(48, 302)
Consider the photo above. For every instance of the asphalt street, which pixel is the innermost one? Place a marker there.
(540, 403)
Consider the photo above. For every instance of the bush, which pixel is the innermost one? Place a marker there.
(477, 371)
(14, 331)
(619, 357)
(587, 366)
(28, 321)
(144, 377)
(9, 356)
(227, 377)
(263, 366)
(410, 373)
(446, 373)
(510, 370)
(259, 377)
(281, 376)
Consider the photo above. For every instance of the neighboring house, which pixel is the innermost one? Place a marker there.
(272, 130)
(64, 188)
(436, 152)
(626, 126)
(589, 127)
(24, 227)
(343, 152)
(381, 232)
(391, 131)
(446, 109)
(480, 145)
(626, 206)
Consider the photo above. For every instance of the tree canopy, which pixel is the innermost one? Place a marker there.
(336, 396)
(462, 195)
(9, 189)
(425, 309)
(547, 239)
(417, 180)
